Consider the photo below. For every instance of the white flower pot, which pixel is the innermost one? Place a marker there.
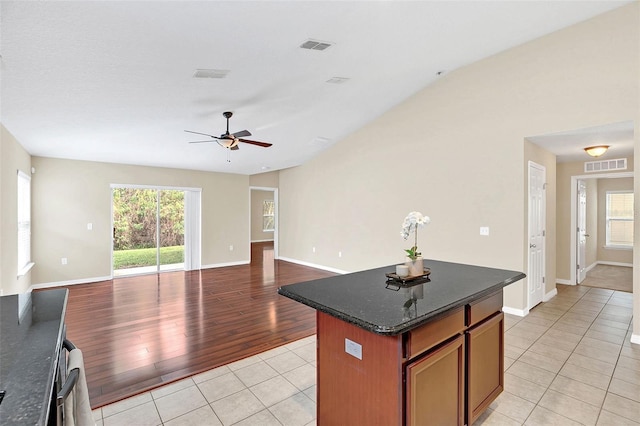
(416, 267)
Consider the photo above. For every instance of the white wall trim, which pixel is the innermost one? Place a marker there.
(550, 295)
(635, 338)
(565, 282)
(628, 265)
(590, 267)
(261, 241)
(516, 312)
(222, 265)
(313, 265)
(70, 282)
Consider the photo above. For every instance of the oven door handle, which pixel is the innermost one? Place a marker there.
(72, 377)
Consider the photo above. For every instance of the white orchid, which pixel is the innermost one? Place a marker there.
(412, 222)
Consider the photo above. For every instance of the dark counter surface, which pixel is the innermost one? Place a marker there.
(29, 351)
(369, 301)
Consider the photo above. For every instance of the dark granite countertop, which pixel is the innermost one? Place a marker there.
(367, 300)
(29, 350)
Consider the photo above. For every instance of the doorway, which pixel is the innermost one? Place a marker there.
(155, 229)
(264, 221)
(580, 261)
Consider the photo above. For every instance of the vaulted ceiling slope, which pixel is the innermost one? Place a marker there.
(113, 81)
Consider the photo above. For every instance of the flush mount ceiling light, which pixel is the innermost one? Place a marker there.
(596, 151)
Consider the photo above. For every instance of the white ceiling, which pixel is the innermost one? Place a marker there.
(112, 80)
(569, 145)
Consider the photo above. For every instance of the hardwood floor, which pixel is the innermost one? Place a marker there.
(142, 332)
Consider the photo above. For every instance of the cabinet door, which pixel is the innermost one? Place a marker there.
(485, 358)
(435, 387)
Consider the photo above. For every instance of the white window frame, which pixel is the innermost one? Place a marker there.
(24, 223)
(608, 220)
(271, 215)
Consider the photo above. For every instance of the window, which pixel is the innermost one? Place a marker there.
(620, 219)
(24, 223)
(268, 216)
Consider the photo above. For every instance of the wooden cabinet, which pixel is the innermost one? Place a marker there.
(445, 372)
(485, 361)
(435, 387)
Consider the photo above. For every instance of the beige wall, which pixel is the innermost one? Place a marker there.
(454, 151)
(12, 158)
(565, 172)
(67, 195)
(544, 158)
(257, 198)
(604, 254)
(265, 180)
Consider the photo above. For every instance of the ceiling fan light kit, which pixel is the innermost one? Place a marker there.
(597, 150)
(230, 140)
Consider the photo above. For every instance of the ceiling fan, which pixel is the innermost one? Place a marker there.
(230, 140)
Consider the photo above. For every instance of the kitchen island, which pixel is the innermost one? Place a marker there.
(428, 351)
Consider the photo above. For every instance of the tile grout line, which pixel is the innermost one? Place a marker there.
(565, 362)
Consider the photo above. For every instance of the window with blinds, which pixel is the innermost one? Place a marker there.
(268, 216)
(619, 219)
(24, 223)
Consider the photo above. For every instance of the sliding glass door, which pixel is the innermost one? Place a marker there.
(148, 230)
(171, 226)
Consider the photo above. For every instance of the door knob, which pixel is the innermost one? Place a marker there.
(532, 246)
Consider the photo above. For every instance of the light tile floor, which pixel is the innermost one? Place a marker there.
(569, 362)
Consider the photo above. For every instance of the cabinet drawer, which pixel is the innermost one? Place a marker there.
(432, 333)
(484, 308)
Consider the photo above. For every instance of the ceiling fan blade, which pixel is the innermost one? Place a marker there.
(209, 141)
(204, 134)
(262, 144)
(242, 133)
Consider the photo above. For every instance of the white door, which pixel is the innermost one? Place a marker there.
(535, 276)
(581, 229)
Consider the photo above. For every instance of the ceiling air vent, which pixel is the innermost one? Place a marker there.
(315, 45)
(338, 80)
(210, 73)
(605, 165)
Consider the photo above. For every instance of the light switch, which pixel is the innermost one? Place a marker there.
(352, 348)
(89, 226)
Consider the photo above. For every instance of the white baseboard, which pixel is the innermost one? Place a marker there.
(590, 267)
(565, 282)
(70, 282)
(635, 338)
(313, 265)
(514, 311)
(222, 265)
(628, 265)
(553, 293)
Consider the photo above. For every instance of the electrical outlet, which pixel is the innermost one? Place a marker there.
(64, 260)
(484, 230)
(231, 248)
(89, 226)
(352, 348)
(313, 249)
(339, 254)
